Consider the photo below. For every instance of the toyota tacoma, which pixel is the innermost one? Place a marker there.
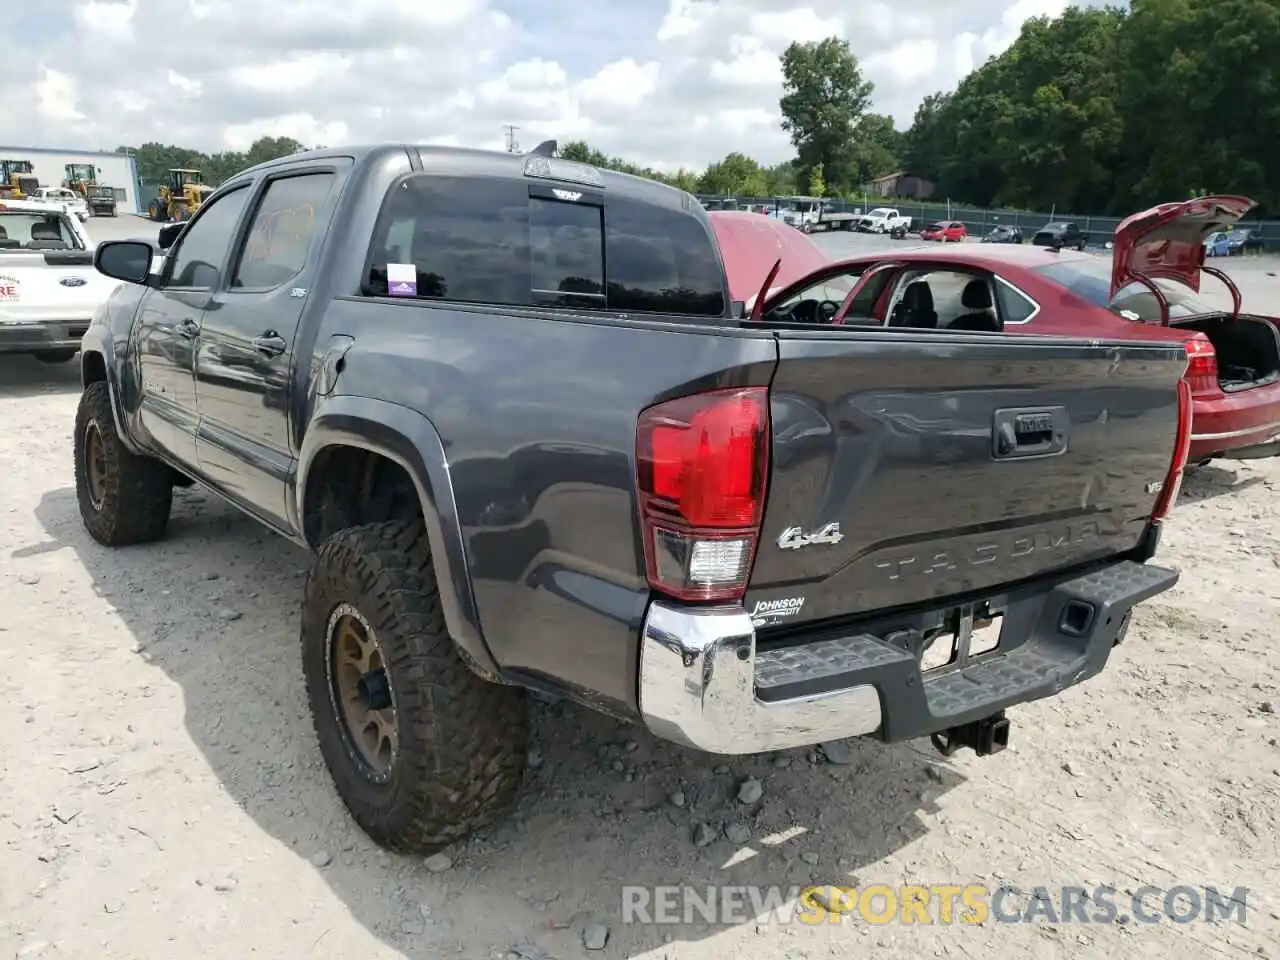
(537, 440)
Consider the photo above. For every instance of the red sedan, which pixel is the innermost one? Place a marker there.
(1148, 290)
(945, 231)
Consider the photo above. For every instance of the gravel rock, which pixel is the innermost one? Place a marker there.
(837, 751)
(751, 791)
(737, 832)
(703, 835)
(595, 936)
(321, 858)
(438, 862)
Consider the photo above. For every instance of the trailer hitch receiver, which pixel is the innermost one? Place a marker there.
(984, 737)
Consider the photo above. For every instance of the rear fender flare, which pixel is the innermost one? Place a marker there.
(411, 440)
(97, 342)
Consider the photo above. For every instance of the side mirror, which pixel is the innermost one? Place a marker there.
(127, 260)
(169, 234)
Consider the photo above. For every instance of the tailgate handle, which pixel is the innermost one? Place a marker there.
(1019, 433)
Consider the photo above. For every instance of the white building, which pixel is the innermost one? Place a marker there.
(114, 170)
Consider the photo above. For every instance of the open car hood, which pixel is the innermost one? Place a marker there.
(750, 245)
(1168, 241)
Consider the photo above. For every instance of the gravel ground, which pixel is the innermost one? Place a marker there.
(162, 795)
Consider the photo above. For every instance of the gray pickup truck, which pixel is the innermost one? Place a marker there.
(534, 443)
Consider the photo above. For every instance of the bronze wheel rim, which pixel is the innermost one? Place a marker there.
(360, 686)
(95, 465)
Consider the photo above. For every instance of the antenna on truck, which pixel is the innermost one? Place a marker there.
(547, 148)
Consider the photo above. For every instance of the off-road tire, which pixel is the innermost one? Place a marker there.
(462, 740)
(138, 490)
(56, 356)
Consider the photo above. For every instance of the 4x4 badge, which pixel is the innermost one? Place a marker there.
(793, 538)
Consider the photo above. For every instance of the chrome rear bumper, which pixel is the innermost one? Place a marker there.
(697, 688)
(704, 684)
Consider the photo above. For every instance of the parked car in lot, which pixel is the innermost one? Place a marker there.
(49, 289)
(1060, 235)
(1003, 233)
(554, 451)
(1147, 291)
(1233, 243)
(945, 231)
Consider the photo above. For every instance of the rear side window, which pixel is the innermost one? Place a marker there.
(499, 242)
(662, 261)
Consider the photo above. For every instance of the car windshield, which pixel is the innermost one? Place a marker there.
(937, 226)
(1054, 226)
(21, 230)
(1091, 278)
(104, 193)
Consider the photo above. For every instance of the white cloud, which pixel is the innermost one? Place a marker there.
(679, 83)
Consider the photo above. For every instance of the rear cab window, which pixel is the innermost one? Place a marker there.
(517, 241)
(31, 230)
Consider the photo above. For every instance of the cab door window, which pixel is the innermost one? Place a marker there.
(197, 261)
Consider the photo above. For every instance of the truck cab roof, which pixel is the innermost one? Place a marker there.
(471, 161)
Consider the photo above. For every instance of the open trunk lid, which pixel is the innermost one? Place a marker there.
(914, 466)
(53, 285)
(1168, 241)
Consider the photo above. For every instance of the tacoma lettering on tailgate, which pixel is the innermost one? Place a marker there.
(989, 551)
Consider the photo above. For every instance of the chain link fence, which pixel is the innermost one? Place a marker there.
(979, 221)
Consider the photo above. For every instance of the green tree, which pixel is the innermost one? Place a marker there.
(1201, 99)
(824, 98)
(735, 175)
(817, 185)
(925, 145)
(155, 160)
(878, 149)
(1037, 126)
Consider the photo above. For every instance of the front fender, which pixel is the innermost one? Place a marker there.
(98, 344)
(410, 439)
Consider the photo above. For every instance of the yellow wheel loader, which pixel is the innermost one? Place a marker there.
(180, 198)
(17, 179)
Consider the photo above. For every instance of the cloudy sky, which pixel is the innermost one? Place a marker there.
(662, 82)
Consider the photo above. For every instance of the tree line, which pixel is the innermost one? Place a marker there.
(1099, 110)
(155, 160)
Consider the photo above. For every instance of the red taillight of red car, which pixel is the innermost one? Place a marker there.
(1202, 368)
(1181, 451)
(702, 466)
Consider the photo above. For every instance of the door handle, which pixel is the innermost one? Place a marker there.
(188, 328)
(270, 343)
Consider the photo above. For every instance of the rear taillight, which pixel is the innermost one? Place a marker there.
(702, 466)
(1202, 367)
(1181, 451)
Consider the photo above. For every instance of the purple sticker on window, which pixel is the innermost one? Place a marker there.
(402, 280)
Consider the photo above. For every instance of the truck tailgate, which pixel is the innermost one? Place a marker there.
(54, 285)
(918, 466)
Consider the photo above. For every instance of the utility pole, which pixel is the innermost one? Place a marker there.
(512, 145)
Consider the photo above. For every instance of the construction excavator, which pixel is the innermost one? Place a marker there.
(180, 198)
(18, 179)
